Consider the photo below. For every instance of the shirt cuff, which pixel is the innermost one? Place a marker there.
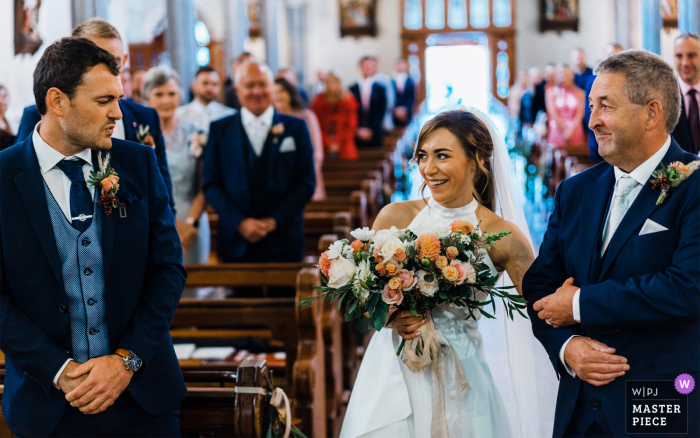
(58, 374)
(575, 307)
(561, 356)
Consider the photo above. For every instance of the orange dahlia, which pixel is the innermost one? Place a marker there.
(428, 246)
(324, 264)
(356, 246)
(463, 226)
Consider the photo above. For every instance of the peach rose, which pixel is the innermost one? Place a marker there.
(378, 258)
(451, 274)
(407, 279)
(442, 262)
(392, 296)
(109, 182)
(400, 255)
(391, 269)
(680, 167)
(428, 246)
(463, 226)
(452, 252)
(395, 283)
(380, 268)
(356, 246)
(324, 264)
(462, 271)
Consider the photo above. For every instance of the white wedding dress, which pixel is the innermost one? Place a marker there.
(388, 400)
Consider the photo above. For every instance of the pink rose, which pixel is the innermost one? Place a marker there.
(109, 182)
(391, 296)
(407, 279)
(465, 271)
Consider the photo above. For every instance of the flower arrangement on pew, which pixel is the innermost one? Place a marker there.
(413, 270)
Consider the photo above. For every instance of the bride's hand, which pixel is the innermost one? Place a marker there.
(407, 325)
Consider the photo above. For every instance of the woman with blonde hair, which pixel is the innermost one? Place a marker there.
(336, 110)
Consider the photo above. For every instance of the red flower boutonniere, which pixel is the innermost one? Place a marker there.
(277, 131)
(667, 179)
(108, 180)
(144, 137)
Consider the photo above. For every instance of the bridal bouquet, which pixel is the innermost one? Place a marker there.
(413, 270)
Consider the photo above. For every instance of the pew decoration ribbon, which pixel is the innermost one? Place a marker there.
(279, 412)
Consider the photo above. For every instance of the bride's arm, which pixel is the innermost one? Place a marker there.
(513, 253)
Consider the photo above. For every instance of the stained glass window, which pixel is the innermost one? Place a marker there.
(413, 14)
(435, 14)
(457, 14)
(479, 13)
(501, 13)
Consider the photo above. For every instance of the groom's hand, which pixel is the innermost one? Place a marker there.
(593, 361)
(108, 378)
(557, 309)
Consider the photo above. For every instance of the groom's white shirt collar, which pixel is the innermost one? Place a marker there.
(49, 157)
(643, 172)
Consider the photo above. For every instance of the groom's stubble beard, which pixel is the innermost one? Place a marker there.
(84, 134)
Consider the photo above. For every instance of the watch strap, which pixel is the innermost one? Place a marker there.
(122, 352)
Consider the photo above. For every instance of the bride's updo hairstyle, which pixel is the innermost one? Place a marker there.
(476, 142)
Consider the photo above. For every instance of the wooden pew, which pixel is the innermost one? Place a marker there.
(382, 165)
(320, 223)
(5, 431)
(356, 204)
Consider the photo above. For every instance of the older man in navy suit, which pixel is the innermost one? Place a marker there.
(135, 117)
(90, 264)
(259, 175)
(614, 295)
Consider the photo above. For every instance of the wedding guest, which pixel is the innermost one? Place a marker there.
(127, 83)
(204, 109)
(291, 76)
(372, 99)
(163, 92)
(137, 86)
(515, 94)
(259, 175)
(388, 84)
(7, 138)
(565, 110)
(230, 97)
(539, 99)
(138, 123)
(686, 52)
(320, 85)
(87, 293)
(581, 70)
(405, 91)
(336, 110)
(287, 100)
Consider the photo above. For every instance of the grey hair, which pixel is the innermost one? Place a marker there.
(263, 67)
(687, 35)
(157, 77)
(649, 78)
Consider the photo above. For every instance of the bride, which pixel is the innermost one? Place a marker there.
(465, 165)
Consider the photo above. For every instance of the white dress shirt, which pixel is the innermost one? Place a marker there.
(59, 184)
(641, 174)
(257, 128)
(200, 115)
(119, 132)
(400, 79)
(685, 88)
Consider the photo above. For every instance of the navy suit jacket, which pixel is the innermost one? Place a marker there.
(408, 97)
(642, 298)
(290, 183)
(144, 279)
(374, 117)
(682, 133)
(581, 78)
(133, 115)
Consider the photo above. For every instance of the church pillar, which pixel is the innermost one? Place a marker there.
(622, 23)
(82, 10)
(689, 16)
(650, 11)
(296, 18)
(236, 30)
(179, 39)
(269, 31)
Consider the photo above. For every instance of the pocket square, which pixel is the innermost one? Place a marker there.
(288, 145)
(651, 227)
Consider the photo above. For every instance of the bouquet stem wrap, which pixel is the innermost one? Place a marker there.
(432, 348)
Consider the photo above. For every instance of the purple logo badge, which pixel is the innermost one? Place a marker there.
(685, 383)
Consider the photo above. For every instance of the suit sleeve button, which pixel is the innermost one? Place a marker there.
(62, 308)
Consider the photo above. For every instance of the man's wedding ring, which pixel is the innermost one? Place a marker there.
(547, 321)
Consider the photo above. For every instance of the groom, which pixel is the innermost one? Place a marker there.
(86, 294)
(614, 295)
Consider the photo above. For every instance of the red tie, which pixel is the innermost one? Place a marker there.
(694, 119)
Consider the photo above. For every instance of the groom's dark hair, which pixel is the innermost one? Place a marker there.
(476, 142)
(63, 65)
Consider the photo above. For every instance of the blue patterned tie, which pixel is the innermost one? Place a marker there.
(81, 205)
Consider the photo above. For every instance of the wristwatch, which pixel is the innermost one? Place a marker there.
(132, 362)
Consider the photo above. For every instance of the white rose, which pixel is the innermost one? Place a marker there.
(390, 246)
(426, 288)
(363, 234)
(341, 272)
(335, 250)
(382, 236)
(431, 227)
(471, 273)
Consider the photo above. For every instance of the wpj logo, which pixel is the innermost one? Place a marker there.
(657, 406)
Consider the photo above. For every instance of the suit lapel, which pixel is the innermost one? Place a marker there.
(30, 185)
(109, 223)
(272, 148)
(237, 149)
(596, 196)
(642, 208)
(129, 120)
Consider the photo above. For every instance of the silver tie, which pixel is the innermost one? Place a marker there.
(620, 204)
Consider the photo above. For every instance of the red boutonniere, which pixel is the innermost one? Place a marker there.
(277, 131)
(667, 179)
(108, 180)
(144, 137)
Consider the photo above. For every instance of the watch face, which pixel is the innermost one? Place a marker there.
(133, 362)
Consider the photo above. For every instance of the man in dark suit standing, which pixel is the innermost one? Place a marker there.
(139, 123)
(259, 175)
(372, 100)
(686, 51)
(87, 291)
(581, 70)
(405, 90)
(614, 294)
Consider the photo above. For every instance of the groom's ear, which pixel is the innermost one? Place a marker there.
(655, 115)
